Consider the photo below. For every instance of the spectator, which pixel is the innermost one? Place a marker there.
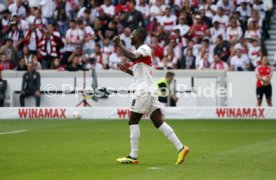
(227, 6)
(242, 45)
(62, 18)
(218, 64)
(36, 19)
(254, 53)
(168, 21)
(123, 6)
(157, 9)
(101, 20)
(244, 10)
(18, 8)
(125, 37)
(58, 38)
(36, 63)
(75, 65)
(134, 18)
(203, 61)
(30, 85)
(10, 51)
(206, 20)
(198, 30)
(170, 60)
(5, 63)
(108, 48)
(188, 61)
(233, 32)
(182, 26)
(3, 88)
(27, 56)
(108, 8)
(80, 54)
(21, 65)
(89, 38)
(22, 24)
(47, 10)
(210, 8)
(152, 26)
(221, 18)
(100, 57)
(144, 8)
(74, 38)
(56, 65)
(115, 59)
(239, 62)
(222, 48)
(156, 47)
(48, 50)
(174, 46)
(32, 38)
(253, 32)
(16, 35)
(5, 22)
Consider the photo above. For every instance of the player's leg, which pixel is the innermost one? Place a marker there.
(134, 119)
(157, 119)
(268, 95)
(138, 107)
(259, 94)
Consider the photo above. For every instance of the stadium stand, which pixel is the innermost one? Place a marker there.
(78, 33)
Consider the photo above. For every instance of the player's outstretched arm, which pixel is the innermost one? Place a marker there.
(124, 68)
(130, 55)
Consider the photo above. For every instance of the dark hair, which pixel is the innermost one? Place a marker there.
(98, 45)
(170, 74)
(142, 33)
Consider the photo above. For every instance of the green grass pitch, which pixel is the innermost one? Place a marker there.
(78, 149)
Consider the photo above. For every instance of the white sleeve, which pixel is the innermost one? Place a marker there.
(144, 50)
(43, 2)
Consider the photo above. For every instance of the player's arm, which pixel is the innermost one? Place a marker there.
(130, 55)
(124, 68)
(268, 79)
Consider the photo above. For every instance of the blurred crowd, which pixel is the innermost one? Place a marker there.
(183, 34)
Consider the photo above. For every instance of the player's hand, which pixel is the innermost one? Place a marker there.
(117, 40)
(123, 67)
(175, 98)
(37, 93)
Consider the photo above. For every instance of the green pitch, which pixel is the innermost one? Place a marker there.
(234, 150)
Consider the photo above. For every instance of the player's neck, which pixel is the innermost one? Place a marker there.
(138, 45)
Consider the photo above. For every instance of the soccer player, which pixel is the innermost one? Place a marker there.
(146, 99)
(264, 75)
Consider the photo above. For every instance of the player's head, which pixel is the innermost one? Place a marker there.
(138, 36)
(264, 60)
(170, 76)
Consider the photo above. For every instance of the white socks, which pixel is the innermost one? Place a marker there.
(164, 128)
(169, 133)
(134, 140)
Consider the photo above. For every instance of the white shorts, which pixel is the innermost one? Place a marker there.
(145, 104)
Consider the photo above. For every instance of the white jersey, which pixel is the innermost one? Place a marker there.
(146, 99)
(142, 70)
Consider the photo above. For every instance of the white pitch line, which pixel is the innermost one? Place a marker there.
(13, 132)
(154, 168)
